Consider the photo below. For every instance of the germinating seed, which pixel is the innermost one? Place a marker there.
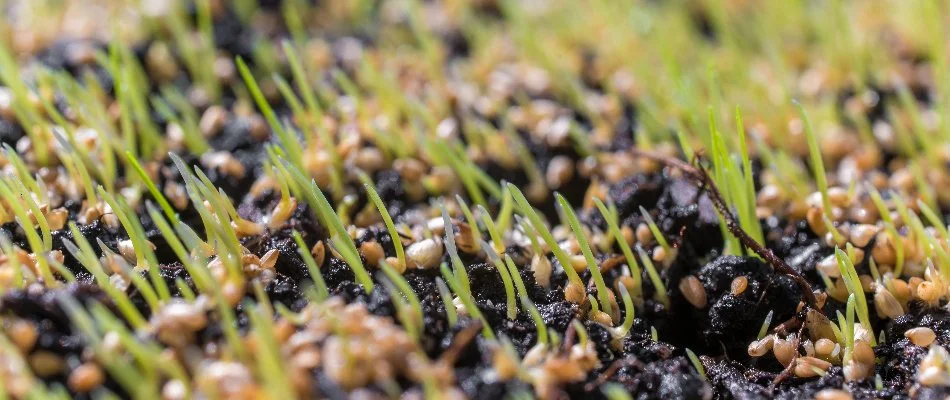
(921, 336)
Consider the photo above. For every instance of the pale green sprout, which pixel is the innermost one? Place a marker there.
(288, 140)
(446, 296)
(322, 292)
(818, 169)
(498, 243)
(536, 222)
(512, 307)
(467, 300)
(632, 263)
(697, 364)
(764, 329)
(387, 219)
(657, 282)
(615, 391)
(415, 307)
(581, 237)
(329, 218)
(655, 230)
(853, 283)
(539, 325)
(449, 235)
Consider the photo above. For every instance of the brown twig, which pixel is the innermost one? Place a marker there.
(698, 174)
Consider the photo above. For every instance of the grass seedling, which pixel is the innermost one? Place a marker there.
(269, 360)
(885, 215)
(321, 286)
(503, 270)
(539, 325)
(818, 169)
(933, 219)
(469, 217)
(25, 222)
(145, 255)
(515, 276)
(329, 218)
(697, 364)
(288, 140)
(536, 222)
(655, 230)
(388, 220)
(199, 274)
(581, 237)
(87, 257)
(497, 240)
(415, 307)
(156, 194)
(764, 329)
(624, 329)
(632, 263)
(654, 276)
(853, 283)
(449, 233)
(446, 295)
(467, 300)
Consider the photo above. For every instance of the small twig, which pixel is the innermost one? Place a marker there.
(698, 174)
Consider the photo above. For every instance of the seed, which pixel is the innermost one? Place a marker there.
(244, 228)
(883, 251)
(213, 120)
(45, 363)
(739, 285)
(541, 267)
(574, 293)
(784, 350)
(396, 264)
(833, 394)
(807, 367)
(659, 254)
(856, 371)
(372, 252)
(269, 260)
(409, 168)
(643, 234)
(282, 213)
(693, 290)
(600, 317)
(824, 347)
(504, 365)
(628, 235)
(23, 334)
(815, 221)
(761, 347)
(560, 171)
(929, 292)
(863, 352)
(85, 377)
(886, 304)
(579, 263)
(370, 159)
(921, 336)
(933, 376)
(319, 253)
(829, 266)
(861, 234)
(424, 254)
